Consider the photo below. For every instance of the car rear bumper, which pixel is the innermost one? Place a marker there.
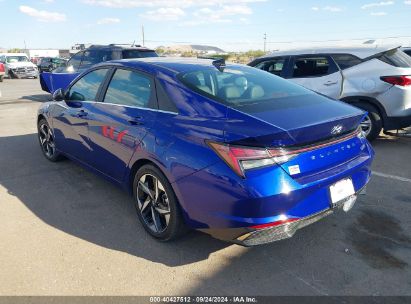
(228, 207)
(276, 231)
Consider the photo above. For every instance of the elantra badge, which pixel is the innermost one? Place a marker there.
(336, 129)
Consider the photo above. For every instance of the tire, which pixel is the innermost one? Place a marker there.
(11, 75)
(163, 206)
(46, 140)
(374, 119)
(1, 78)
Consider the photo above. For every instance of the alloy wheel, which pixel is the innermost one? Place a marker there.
(47, 140)
(153, 203)
(366, 125)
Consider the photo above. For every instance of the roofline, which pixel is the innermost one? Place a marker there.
(331, 50)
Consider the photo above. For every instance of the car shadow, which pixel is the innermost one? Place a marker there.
(37, 97)
(328, 257)
(74, 200)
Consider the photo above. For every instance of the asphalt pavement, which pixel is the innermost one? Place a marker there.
(65, 231)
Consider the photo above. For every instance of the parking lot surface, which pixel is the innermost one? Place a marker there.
(65, 231)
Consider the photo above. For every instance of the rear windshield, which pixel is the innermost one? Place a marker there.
(396, 58)
(240, 87)
(129, 54)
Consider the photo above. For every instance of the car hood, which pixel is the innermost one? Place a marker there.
(13, 65)
(291, 121)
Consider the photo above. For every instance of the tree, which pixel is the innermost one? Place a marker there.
(15, 50)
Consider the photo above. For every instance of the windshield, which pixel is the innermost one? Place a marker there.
(129, 54)
(57, 60)
(11, 59)
(240, 87)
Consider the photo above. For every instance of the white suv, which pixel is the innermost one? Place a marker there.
(377, 80)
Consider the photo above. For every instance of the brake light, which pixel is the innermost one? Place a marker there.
(241, 159)
(402, 81)
(1, 67)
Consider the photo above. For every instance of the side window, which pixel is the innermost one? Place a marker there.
(95, 56)
(313, 67)
(274, 66)
(395, 58)
(164, 101)
(75, 61)
(346, 61)
(86, 88)
(130, 89)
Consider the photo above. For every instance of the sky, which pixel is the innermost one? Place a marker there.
(234, 25)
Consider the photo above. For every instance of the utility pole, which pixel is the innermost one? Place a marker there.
(142, 30)
(265, 41)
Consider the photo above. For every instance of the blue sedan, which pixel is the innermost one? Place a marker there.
(227, 149)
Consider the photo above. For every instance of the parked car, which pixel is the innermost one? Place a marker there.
(407, 50)
(62, 76)
(2, 71)
(376, 80)
(48, 64)
(18, 65)
(227, 149)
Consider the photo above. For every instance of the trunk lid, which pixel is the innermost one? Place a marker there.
(321, 130)
(291, 121)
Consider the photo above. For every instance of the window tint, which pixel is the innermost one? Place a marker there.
(75, 60)
(408, 52)
(95, 56)
(86, 88)
(164, 101)
(274, 66)
(312, 67)
(138, 54)
(240, 87)
(346, 61)
(130, 89)
(396, 58)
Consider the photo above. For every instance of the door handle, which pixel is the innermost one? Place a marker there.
(329, 83)
(136, 121)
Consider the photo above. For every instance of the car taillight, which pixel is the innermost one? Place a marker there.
(1, 67)
(397, 80)
(241, 158)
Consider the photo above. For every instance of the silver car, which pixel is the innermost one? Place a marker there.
(377, 80)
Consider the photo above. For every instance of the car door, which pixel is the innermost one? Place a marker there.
(318, 73)
(121, 120)
(70, 122)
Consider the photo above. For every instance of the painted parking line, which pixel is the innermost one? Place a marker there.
(395, 177)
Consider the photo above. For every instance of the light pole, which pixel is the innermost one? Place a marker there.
(265, 41)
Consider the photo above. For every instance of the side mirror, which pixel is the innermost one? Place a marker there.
(58, 95)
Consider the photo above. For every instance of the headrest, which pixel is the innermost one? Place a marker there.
(256, 92)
